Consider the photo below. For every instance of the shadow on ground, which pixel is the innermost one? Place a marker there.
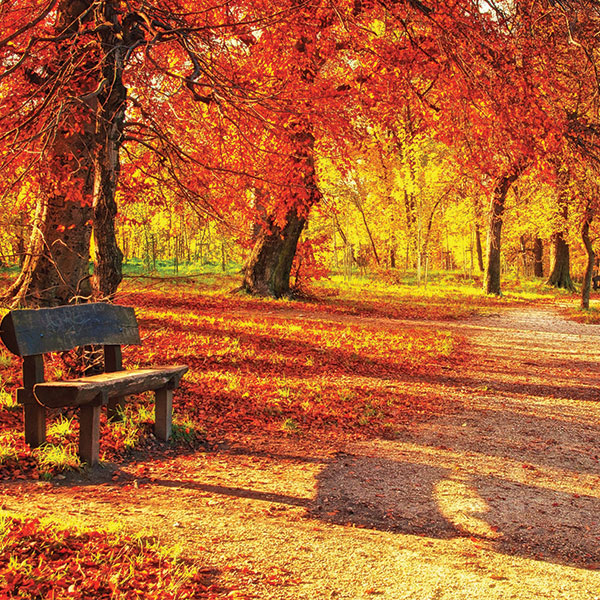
(418, 499)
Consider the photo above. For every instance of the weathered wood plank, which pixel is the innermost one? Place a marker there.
(37, 331)
(89, 433)
(77, 392)
(34, 414)
(163, 413)
(113, 361)
(33, 370)
(35, 424)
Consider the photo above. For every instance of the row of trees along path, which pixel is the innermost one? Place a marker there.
(228, 107)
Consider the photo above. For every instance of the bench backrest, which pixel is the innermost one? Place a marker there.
(36, 331)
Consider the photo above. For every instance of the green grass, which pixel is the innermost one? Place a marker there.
(185, 431)
(8, 401)
(167, 268)
(56, 457)
(440, 284)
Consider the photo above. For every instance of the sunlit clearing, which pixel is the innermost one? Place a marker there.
(460, 503)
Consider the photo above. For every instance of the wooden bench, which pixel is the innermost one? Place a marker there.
(33, 333)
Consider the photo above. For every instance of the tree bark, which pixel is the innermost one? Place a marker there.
(479, 247)
(84, 160)
(267, 270)
(538, 257)
(110, 122)
(591, 259)
(56, 265)
(492, 271)
(560, 269)
(55, 269)
(560, 276)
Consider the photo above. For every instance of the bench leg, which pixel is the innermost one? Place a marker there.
(114, 410)
(35, 424)
(89, 433)
(163, 413)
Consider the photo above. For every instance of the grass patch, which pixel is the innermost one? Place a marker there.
(590, 316)
(8, 401)
(54, 458)
(61, 428)
(290, 426)
(8, 447)
(6, 359)
(447, 295)
(185, 431)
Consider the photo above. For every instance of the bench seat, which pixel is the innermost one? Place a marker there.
(33, 333)
(98, 389)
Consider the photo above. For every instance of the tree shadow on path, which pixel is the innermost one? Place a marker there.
(413, 498)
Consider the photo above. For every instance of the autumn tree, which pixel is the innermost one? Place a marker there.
(557, 48)
(48, 139)
(65, 114)
(334, 79)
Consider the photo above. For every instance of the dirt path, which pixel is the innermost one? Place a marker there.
(499, 498)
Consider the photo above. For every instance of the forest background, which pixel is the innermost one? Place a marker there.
(296, 139)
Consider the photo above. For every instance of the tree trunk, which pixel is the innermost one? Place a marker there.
(560, 275)
(479, 247)
(110, 120)
(411, 222)
(55, 269)
(591, 259)
(268, 268)
(538, 257)
(424, 249)
(267, 271)
(492, 271)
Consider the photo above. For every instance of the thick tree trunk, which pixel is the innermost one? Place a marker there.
(56, 267)
(492, 271)
(538, 257)
(108, 259)
(267, 271)
(591, 259)
(560, 275)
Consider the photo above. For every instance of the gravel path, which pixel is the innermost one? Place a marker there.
(497, 498)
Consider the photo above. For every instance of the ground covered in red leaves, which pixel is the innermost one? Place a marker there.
(331, 449)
